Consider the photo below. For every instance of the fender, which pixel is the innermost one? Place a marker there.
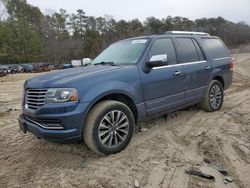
(215, 73)
(113, 87)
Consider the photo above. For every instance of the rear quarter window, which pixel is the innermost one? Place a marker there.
(216, 48)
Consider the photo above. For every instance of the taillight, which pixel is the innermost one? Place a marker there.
(232, 64)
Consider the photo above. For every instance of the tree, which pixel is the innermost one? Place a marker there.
(2, 10)
(28, 35)
(56, 37)
(92, 43)
(153, 26)
(78, 23)
(21, 25)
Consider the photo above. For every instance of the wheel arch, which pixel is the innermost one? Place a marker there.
(220, 79)
(120, 97)
(217, 74)
(116, 96)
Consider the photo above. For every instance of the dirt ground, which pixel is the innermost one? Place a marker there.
(155, 158)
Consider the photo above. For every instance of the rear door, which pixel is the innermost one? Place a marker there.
(163, 87)
(197, 68)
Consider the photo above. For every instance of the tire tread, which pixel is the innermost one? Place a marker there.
(205, 105)
(91, 120)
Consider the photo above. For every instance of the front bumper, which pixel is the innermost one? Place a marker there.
(71, 123)
(48, 134)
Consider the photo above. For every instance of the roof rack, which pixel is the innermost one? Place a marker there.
(186, 33)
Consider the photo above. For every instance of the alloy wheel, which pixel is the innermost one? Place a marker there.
(113, 128)
(215, 96)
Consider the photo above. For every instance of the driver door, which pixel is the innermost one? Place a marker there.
(163, 86)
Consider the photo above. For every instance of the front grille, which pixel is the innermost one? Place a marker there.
(35, 98)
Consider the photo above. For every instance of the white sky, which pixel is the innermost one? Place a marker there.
(234, 10)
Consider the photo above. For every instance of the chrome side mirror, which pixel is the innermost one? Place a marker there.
(157, 60)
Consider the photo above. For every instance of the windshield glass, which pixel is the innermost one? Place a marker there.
(123, 52)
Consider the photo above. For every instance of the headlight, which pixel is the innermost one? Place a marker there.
(61, 95)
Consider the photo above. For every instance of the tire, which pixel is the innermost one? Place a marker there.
(109, 127)
(214, 97)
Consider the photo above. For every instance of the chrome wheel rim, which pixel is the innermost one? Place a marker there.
(215, 96)
(113, 129)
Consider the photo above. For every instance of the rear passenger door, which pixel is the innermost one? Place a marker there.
(163, 87)
(197, 68)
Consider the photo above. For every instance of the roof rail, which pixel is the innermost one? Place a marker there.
(186, 33)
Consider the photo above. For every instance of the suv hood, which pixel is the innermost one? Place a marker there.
(63, 78)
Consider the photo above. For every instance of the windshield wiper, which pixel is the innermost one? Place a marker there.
(106, 63)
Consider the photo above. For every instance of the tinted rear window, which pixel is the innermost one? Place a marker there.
(216, 48)
(188, 50)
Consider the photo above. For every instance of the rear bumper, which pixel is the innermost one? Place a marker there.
(69, 135)
(228, 79)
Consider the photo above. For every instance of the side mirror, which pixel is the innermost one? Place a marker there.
(157, 60)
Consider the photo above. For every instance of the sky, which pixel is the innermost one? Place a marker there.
(233, 10)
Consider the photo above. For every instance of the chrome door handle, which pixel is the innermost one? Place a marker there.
(176, 73)
(208, 67)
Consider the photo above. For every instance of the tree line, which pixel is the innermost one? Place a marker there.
(28, 35)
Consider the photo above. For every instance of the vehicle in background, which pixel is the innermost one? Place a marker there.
(83, 62)
(41, 67)
(51, 67)
(132, 80)
(86, 61)
(28, 68)
(58, 66)
(14, 69)
(76, 63)
(67, 66)
(4, 71)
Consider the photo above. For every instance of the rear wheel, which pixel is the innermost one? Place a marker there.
(214, 97)
(109, 127)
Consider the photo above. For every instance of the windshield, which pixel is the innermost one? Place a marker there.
(123, 52)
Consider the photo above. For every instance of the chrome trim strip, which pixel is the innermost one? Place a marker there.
(222, 58)
(48, 128)
(176, 65)
(196, 88)
(35, 98)
(162, 98)
(35, 103)
(162, 67)
(187, 33)
(31, 99)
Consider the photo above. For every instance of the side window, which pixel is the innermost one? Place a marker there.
(164, 46)
(199, 51)
(216, 48)
(188, 50)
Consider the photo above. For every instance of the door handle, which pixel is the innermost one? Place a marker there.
(208, 67)
(176, 73)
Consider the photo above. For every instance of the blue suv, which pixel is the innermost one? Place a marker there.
(131, 81)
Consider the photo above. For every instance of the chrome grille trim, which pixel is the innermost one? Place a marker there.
(35, 98)
(49, 126)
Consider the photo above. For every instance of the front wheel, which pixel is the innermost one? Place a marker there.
(214, 97)
(109, 127)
